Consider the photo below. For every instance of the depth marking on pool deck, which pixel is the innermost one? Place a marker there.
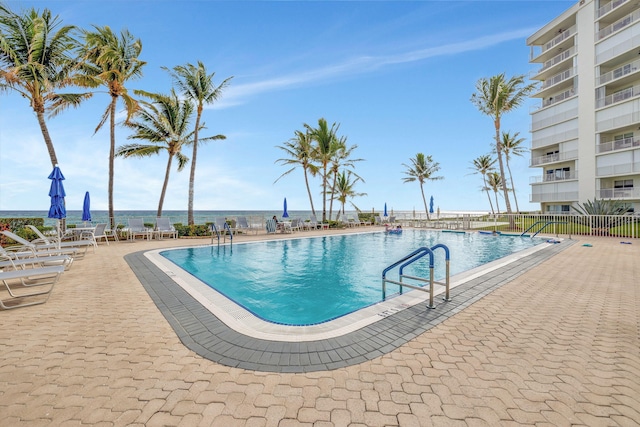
(202, 332)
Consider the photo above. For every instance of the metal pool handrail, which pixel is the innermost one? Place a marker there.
(214, 229)
(410, 259)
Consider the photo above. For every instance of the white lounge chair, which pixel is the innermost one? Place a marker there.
(164, 228)
(137, 228)
(296, 224)
(60, 248)
(222, 226)
(242, 225)
(18, 285)
(8, 262)
(351, 222)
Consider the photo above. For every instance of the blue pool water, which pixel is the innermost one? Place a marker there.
(313, 280)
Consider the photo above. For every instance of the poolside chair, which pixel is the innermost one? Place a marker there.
(222, 226)
(313, 223)
(10, 263)
(96, 234)
(137, 228)
(164, 228)
(377, 220)
(272, 226)
(243, 226)
(351, 222)
(296, 224)
(54, 248)
(18, 283)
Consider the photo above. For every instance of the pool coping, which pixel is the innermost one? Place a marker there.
(208, 336)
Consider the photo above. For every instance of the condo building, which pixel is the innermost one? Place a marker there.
(585, 127)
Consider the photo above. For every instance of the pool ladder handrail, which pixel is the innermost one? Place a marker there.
(214, 230)
(543, 227)
(410, 259)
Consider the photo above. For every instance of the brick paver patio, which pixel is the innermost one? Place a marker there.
(558, 345)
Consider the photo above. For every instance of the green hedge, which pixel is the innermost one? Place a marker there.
(17, 226)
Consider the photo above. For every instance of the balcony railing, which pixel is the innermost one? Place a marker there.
(620, 144)
(557, 59)
(554, 177)
(559, 97)
(621, 96)
(619, 193)
(609, 7)
(622, 169)
(618, 72)
(558, 78)
(553, 158)
(568, 196)
(618, 25)
(565, 34)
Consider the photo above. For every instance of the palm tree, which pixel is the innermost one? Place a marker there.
(483, 165)
(344, 189)
(495, 183)
(299, 152)
(341, 159)
(494, 97)
(111, 61)
(164, 122)
(37, 59)
(511, 146)
(326, 144)
(422, 169)
(198, 86)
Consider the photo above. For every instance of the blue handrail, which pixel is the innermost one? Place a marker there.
(214, 229)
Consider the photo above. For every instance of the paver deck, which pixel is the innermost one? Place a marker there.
(555, 345)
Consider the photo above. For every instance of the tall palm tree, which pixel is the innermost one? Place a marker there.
(511, 146)
(198, 86)
(495, 183)
(422, 169)
(344, 189)
(165, 123)
(37, 59)
(341, 159)
(325, 147)
(495, 97)
(110, 61)
(299, 152)
(483, 165)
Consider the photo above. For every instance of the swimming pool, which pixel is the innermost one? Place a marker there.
(308, 281)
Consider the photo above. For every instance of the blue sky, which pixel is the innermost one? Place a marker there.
(396, 75)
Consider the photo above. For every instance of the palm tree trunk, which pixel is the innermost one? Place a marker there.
(324, 194)
(424, 200)
(192, 175)
(333, 192)
(501, 163)
(47, 138)
(513, 187)
(484, 180)
(306, 181)
(112, 154)
(164, 185)
(497, 204)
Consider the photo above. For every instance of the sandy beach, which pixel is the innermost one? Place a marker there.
(557, 345)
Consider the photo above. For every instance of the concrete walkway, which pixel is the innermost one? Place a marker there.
(558, 345)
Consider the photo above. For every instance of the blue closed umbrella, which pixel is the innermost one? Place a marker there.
(86, 211)
(385, 210)
(431, 205)
(285, 214)
(57, 194)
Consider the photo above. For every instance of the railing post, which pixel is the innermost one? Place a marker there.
(447, 297)
(431, 268)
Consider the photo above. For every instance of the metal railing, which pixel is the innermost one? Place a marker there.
(619, 144)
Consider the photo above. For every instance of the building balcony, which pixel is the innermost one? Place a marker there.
(554, 158)
(554, 177)
(562, 56)
(617, 97)
(609, 7)
(621, 23)
(619, 193)
(619, 72)
(537, 51)
(621, 144)
(558, 78)
(616, 170)
(558, 97)
(569, 196)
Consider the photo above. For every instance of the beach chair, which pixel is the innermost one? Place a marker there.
(242, 225)
(137, 228)
(351, 222)
(271, 226)
(11, 263)
(164, 228)
(222, 226)
(54, 248)
(296, 224)
(96, 234)
(19, 283)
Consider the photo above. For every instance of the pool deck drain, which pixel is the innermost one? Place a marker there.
(206, 335)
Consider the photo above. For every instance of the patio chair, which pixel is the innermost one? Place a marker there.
(9, 262)
(272, 226)
(99, 232)
(137, 228)
(18, 284)
(242, 225)
(164, 228)
(54, 248)
(313, 223)
(351, 222)
(296, 224)
(222, 226)
(79, 241)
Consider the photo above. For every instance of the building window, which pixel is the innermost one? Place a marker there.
(623, 183)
